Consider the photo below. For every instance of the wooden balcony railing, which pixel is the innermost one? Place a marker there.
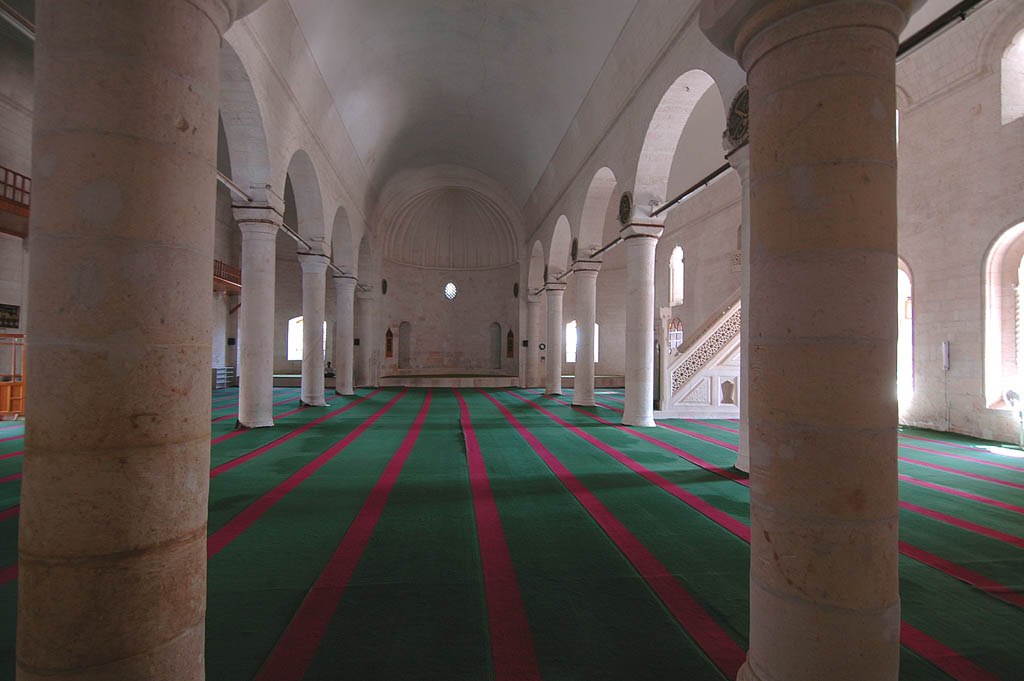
(15, 191)
(226, 277)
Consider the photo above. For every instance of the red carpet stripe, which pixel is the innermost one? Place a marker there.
(961, 493)
(10, 478)
(10, 512)
(913, 508)
(965, 474)
(12, 454)
(682, 453)
(239, 431)
(235, 414)
(964, 524)
(945, 444)
(294, 652)
(692, 500)
(13, 437)
(16, 425)
(246, 518)
(511, 645)
(234, 463)
(950, 568)
(712, 639)
(963, 574)
(972, 459)
(712, 425)
(942, 656)
(8, 574)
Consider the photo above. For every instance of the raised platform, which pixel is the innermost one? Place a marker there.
(450, 381)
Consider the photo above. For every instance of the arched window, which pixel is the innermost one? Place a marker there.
(1012, 89)
(295, 339)
(675, 334)
(572, 339)
(676, 277)
(1002, 327)
(905, 337)
(510, 345)
(389, 344)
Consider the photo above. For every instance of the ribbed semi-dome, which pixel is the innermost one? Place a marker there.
(450, 228)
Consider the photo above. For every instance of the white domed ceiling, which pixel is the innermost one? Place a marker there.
(450, 228)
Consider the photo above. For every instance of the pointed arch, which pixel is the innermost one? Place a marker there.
(600, 197)
(1001, 287)
(535, 276)
(663, 133)
(309, 204)
(341, 241)
(365, 270)
(243, 125)
(558, 252)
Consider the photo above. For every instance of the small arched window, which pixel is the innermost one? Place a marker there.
(295, 339)
(572, 340)
(675, 334)
(510, 345)
(389, 344)
(676, 276)
(1012, 87)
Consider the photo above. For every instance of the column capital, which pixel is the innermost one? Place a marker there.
(313, 263)
(588, 268)
(739, 159)
(223, 13)
(650, 228)
(344, 283)
(555, 287)
(257, 220)
(746, 29)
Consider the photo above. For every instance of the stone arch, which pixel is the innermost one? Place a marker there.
(558, 252)
(1000, 284)
(600, 195)
(309, 204)
(243, 126)
(1011, 79)
(905, 333)
(535, 277)
(662, 138)
(341, 242)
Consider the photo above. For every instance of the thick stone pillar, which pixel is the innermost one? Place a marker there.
(554, 351)
(641, 242)
(112, 534)
(534, 374)
(740, 160)
(314, 297)
(586, 306)
(259, 228)
(824, 594)
(344, 295)
(364, 375)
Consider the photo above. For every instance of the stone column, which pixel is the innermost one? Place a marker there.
(740, 160)
(641, 241)
(586, 295)
(364, 331)
(344, 293)
(554, 350)
(259, 226)
(112, 534)
(534, 376)
(219, 337)
(824, 591)
(314, 285)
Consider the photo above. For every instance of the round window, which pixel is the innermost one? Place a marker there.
(450, 291)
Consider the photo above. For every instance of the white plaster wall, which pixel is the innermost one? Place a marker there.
(449, 336)
(961, 184)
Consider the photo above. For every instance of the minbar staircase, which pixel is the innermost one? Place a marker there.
(702, 378)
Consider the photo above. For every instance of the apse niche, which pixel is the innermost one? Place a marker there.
(449, 252)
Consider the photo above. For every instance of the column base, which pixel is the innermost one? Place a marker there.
(312, 402)
(746, 673)
(348, 394)
(639, 423)
(584, 403)
(256, 424)
(552, 392)
(742, 461)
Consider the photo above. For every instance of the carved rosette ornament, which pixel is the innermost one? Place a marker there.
(737, 125)
(625, 208)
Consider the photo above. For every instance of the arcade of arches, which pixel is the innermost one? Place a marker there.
(692, 213)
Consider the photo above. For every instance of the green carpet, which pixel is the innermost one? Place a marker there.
(414, 605)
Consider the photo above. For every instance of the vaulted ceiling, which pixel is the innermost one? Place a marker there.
(483, 84)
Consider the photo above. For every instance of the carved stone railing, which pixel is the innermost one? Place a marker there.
(715, 335)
